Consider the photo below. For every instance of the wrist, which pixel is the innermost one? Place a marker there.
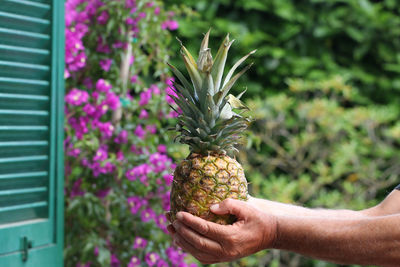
(271, 231)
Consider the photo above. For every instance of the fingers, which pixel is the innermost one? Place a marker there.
(209, 229)
(171, 229)
(231, 206)
(199, 242)
(204, 258)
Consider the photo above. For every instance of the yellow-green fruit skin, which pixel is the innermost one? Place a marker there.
(201, 181)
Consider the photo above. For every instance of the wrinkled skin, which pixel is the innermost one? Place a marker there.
(211, 243)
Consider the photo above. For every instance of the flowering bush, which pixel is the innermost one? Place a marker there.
(118, 168)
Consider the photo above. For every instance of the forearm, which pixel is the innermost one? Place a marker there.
(280, 209)
(368, 240)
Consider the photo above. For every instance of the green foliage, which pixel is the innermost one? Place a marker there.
(311, 40)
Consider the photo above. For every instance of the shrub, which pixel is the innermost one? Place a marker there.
(118, 164)
(311, 40)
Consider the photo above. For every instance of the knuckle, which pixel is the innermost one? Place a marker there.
(201, 244)
(203, 229)
(229, 201)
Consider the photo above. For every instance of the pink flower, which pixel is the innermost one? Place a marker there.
(138, 172)
(151, 128)
(75, 152)
(103, 18)
(170, 92)
(101, 154)
(142, 15)
(170, 81)
(96, 251)
(106, 129)
(67, 74)
(89, 109)
(143, 114)
(145, 97)
(154, 89)
(105, 64)
(161, 222)
(134, 79)
(130, 21)
(147, 215)
(113, 100)
(102, 47)
(76, 189)
(122, 137)
(119, 44)
(76, 97)
(136, 150)
(130, 3)
(135, 203)
(165, 201)
(168, 179)
(174, 255)
(162, 263)
(151, 258)
(139, 242)
(150, 4)
(103, 85)
(162, 149)
(170, 24)
(139, 132)
(134, 262)
(115, 261)
(120, 156)
(157, 11)
(103, 193)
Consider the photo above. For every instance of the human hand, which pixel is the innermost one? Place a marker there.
(211, 243)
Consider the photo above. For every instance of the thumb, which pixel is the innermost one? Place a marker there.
(231, 206)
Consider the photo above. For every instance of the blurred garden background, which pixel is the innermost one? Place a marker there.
(324, 94)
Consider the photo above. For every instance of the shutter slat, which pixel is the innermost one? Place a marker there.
(24, 6)
(22, 133)
(22, 159)
(24, 38)
(24, 81)
(24, 112)
(23, 54)
(24, 143)
(23, 175)
(24, 23)
(19, 69)
(31, 102)
(14, 181)
(22, 191)
(33, 163)
(16, 148)
(24, 97)
(24, 117)
(24, 206)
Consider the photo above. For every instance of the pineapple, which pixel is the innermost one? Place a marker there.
(211, 128)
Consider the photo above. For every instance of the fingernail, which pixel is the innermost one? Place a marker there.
(214, 207)
(179, 216)
(176, 225)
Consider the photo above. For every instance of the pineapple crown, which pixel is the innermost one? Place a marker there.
(208, 123)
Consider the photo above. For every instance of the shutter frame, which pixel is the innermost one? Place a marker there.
(49, 253)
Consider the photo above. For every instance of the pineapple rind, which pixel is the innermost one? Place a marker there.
(201, 181)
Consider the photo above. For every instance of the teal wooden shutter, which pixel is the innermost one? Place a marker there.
(31, 132)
